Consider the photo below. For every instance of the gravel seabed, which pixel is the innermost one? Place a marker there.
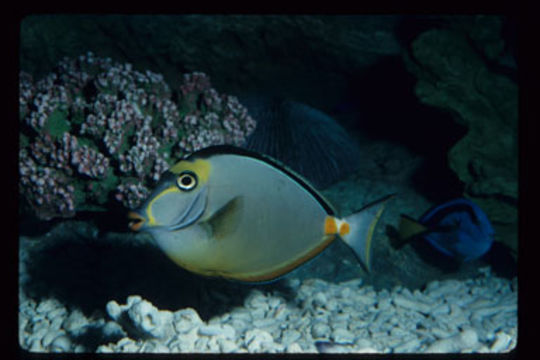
(474, 315)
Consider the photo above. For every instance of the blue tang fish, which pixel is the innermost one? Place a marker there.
(458, 228)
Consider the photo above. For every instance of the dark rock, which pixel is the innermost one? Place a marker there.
(306, 58)
(454, 76)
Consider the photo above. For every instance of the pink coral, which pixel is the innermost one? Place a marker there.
(94, 130)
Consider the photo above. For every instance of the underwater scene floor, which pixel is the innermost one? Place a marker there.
(478, 315)
(85, 291)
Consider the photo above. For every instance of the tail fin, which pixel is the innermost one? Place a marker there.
(409, 228)
(361, 227)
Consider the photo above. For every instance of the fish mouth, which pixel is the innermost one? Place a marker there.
(136, 221)
(192, 213)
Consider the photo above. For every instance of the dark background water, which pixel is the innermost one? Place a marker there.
(357, 69)
(350, 67)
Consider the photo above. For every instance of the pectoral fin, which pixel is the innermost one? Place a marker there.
(225, 220)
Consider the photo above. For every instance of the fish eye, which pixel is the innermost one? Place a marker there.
(187, 181)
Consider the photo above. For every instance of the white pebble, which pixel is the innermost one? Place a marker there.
(264, 323)
(281, 312)
(398, 332)
(40, 332)
(61, 344)
(56, 323)
(258, 313)
(58, 312)
(239, 325)
(186, 319)
(148, 347)
(363, 343)
(319, 299)
(227, 346)
(440, 333)
(384, 304)
(160, 348)
(256, 299)
(49, 337)
(113, 329)
(113, 309)
(320, 331)
(186, 342)
(35, 345)
(104, 349)
(365, 300)
(149, 319)
(293, 282)
(241, 314)
(354, 283)
(411, 345)
(480, 303)
(422, 297)
(332, 348)
(201, 344)
(210, 330)
(366, 350)
(75, 322)
(457, 343)
(411, 304)
(274, 302)
(488, 311)
(342, 336)
(442, 309)
(257, 340)
(127, 345)
(331, 305)
(340, 318)
(346, 293)
(469, 338)
(294, 348)
(501, 342)
(455, 318)
(437, 289)
(225, 331)
(47, 305)
(289, 336)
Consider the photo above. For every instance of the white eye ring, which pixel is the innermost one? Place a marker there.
(187, 181)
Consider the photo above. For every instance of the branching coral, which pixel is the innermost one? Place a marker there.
(95, 131)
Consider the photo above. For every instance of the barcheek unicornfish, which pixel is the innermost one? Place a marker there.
(234, 214)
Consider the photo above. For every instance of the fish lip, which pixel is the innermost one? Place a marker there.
(137, 221)
(193, 212)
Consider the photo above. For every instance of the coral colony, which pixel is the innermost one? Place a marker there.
(94, 130)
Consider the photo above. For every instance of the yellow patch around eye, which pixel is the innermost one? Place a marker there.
(344, 229)
(199, 167)
(330, 226)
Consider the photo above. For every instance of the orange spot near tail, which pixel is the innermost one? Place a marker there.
(330, 226)
(344, 229)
